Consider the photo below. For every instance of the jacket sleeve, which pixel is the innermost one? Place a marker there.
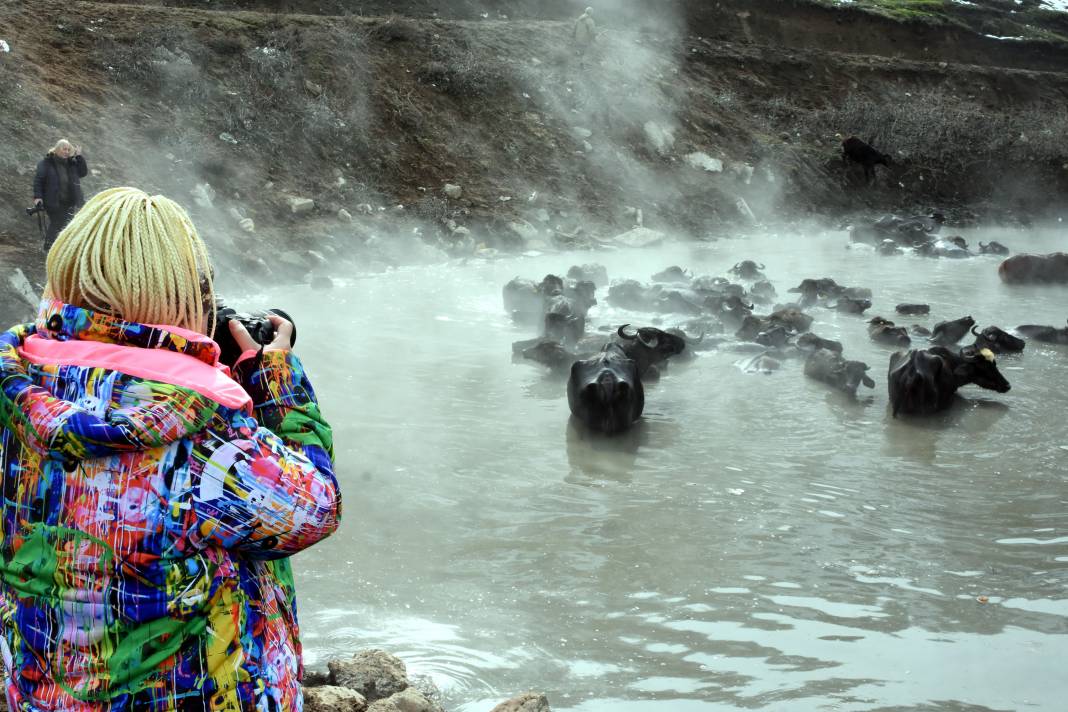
(81, 166)
(264, 486)
(39, 181)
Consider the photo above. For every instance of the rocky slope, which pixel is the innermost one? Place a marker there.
(369, 109)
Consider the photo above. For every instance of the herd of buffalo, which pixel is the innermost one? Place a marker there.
(606, 368)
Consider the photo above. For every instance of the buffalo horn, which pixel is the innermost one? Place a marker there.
(974, 332)
(623, 335)
(762, 266)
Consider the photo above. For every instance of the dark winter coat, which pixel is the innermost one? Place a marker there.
(46, 181)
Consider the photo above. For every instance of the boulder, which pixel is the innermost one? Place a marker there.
(661, 137)
(299, 206)
(331, 698)
(704, 161)
(203, 195)
(410, 700)
(526, 702)
(524, 230)
(639, 237)
(373, 673)
(247, 225)
(344, 215)
(452, 190)
(23, 288)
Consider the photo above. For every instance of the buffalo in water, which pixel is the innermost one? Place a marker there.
(993, 248)
(1045, 334)
(883, 331)
(1035, 269)
(605, 392)
(748, 270)
(913, 309)
(997, 340)
(947, 333)
(831, 368)
(921, 382)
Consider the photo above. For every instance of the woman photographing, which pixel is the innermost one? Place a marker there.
(150, 499)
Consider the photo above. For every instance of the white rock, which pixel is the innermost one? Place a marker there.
(341, 181)
(299, 206)
(22, 286)
(4, 46)
(581, 133)
(227, 137)
(203, 195)
(702, 160)
(661, 137)
(333, 698)
(365, 208)
(639, 237)
(524, 229)
(344, 215)
(461, 231)
(247, 225)
(452, 190)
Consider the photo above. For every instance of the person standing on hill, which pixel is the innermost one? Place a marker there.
(584, 34)
(57, 186)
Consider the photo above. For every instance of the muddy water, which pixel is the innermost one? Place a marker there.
(756, 542)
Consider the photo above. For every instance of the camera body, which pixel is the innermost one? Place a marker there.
(257, 324)
(35, 209)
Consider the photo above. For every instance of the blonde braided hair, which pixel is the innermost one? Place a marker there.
(136, 257)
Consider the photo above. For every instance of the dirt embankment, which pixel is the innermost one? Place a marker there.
(678, 112)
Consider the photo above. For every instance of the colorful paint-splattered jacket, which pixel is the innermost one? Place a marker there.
(150, 503)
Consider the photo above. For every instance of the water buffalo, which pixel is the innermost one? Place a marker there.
(591, 272)
(947, 333)
(630, 294)
(674, 301)
(792, 318)
(1045, 334)
(748, 270)
(1035, 269)
(732, 311)
(545, 351)
(997, 340)
(850, 305)
(673, 275)
(883, 331)
(773, 337)
(830, 367)
(523, 299)
(919, 330)
(763, 292)
(857, 151)
(605, 392)
(913, 309)
(921, 382)
(813, 291)
(993, 248)
(810, 342)
(649, 346)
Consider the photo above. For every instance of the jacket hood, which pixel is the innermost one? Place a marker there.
(176, 384)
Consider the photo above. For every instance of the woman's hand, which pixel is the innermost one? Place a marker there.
(283, 335)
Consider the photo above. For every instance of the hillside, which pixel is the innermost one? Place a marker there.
(372, 107)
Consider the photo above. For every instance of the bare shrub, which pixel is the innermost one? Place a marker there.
(943, 131)
(464, 75)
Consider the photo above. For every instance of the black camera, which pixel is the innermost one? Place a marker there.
(35, 209)
(257, 324)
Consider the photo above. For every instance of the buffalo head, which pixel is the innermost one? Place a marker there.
(997, 340)
(605, 392)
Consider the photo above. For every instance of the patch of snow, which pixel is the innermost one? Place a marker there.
(998, 37)
(4, 46)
